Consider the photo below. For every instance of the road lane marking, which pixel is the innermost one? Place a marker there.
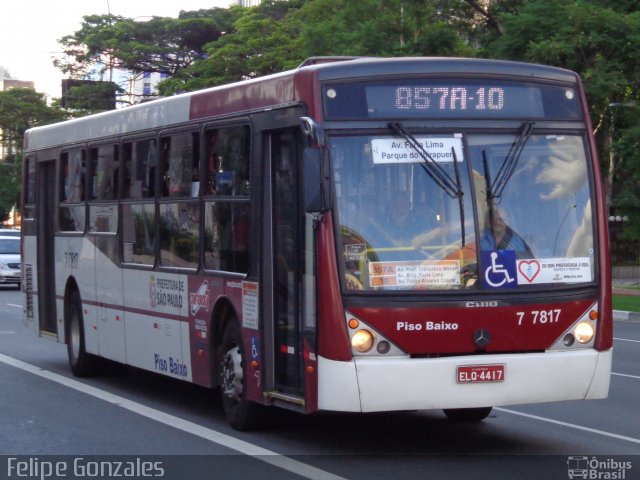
(13, 305)
(570, 425)
(626, 340)
(241, 446)
(625, 375)
(227, 441)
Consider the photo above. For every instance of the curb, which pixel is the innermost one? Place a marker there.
(621, 315)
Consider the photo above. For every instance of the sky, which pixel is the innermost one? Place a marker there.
(30, 29)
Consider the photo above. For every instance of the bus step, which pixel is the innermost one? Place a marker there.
(285, 397)
(48, 334)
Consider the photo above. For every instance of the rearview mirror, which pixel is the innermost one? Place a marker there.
(316, 181)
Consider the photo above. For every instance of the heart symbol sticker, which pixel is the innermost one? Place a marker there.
(529, 269)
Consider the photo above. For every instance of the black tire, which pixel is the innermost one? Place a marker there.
(467, 414)
(241, 413)
(82, 363)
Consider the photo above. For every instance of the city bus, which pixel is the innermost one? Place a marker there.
(353, 235)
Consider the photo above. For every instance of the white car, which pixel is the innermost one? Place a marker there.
(10, 272)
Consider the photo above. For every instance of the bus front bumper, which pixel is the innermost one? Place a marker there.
(376, 384)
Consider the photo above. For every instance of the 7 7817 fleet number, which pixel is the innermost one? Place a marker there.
(539, 317)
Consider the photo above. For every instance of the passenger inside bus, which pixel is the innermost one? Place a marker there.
(401, 226)
(498, 235)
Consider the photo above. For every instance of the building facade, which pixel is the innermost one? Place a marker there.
(143, 87)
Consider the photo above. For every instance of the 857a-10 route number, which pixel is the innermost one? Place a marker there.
(539, 317)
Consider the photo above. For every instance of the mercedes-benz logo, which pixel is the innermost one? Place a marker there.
(481, 338)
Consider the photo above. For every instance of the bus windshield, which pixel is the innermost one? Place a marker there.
(525, 217)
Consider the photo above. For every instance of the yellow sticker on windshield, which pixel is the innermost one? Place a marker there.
(425, 274)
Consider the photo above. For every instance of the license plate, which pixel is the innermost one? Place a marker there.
(480, 373)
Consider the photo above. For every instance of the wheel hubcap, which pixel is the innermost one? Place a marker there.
(232, 374)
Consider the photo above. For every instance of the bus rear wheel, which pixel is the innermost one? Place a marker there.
(241, 413)
(82, 363)
(467, 414)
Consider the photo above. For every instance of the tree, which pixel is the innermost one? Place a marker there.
(262, 40)
(20, 109)
(625, 184)
(279, 35)
(161, 44)
(85, 97)
(599, 40)
(384, 28)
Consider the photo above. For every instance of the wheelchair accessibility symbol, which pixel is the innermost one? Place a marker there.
(499, 269)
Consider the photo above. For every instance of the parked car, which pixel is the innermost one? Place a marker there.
(10, 260)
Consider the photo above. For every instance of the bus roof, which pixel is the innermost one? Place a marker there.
(367, 66)
(269, 91)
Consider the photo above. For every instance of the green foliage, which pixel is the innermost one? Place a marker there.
(10, 175)
(261, 42)
(161, 44)
(597, 38)
(598, 42)
(20, 109)
(627, 303)
(84, 97)
(380, 28)
(626, 181)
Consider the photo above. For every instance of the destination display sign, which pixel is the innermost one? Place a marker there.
(451, 98)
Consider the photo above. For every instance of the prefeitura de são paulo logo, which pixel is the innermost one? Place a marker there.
(597, 468)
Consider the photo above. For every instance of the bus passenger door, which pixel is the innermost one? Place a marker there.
(46, 254)
(286, 264)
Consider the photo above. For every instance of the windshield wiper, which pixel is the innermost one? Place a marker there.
(452, 187)
(433, 169)
(508, 167)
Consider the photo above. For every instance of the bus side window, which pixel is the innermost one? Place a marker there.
(227, 207)
(228, 161)
(127, 160)
(104, 173)
(30, 189)
(73, 167)
(180, 165)
(227, 236)
(179, 222)
(139, 160)
(179, 234)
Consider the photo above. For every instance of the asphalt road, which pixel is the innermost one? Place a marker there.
(129, 418)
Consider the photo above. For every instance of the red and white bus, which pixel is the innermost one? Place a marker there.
(361, 235)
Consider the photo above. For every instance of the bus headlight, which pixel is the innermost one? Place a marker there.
(581, 333)
(584, 332)
(362, 341)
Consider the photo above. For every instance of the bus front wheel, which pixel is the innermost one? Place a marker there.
(241, 413)
(82, 363)
(467, 414)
